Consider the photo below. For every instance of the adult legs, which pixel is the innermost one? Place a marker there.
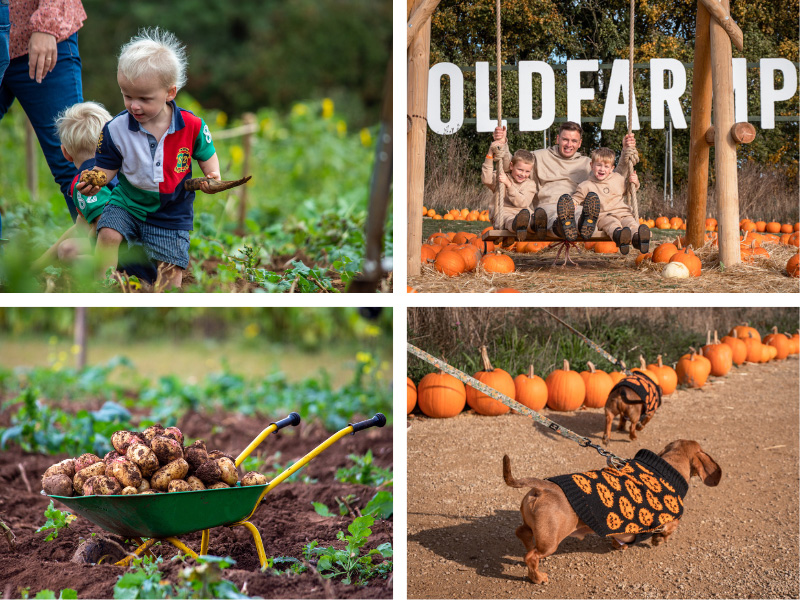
(43, 101)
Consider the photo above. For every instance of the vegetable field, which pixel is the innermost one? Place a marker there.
(304, 220)
(327, 529)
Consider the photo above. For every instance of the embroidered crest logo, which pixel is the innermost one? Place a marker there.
(182, 160)
(100, 141)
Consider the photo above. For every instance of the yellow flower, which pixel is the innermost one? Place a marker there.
(327, 108)
(237, 155)
(76, 349)
(299, 109)
(53, 340)
(222, 119)
(251, 331)
(364, 357)
(266, 124)
(366, 138)
(341, 127)
(372, 330)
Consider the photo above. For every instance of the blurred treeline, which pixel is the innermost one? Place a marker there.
(304, 328)
(463, 33)
(251, 54)
(519, 337)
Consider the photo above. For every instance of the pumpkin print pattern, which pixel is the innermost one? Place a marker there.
(633, 490)
(582, 483)
(671, 503)
(626, 508)
(606, 497)
(632, 499)
(654, 502)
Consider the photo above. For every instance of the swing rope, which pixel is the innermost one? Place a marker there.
(499, 188)
(631, 188)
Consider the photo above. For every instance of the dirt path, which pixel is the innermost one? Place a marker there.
(736, 540)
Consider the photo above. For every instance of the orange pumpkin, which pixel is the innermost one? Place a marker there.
(449, 262)
(745, 331)
(794, 239)
(441, 395)
(462, 237)
(645, 371)
(605, 248)
(483, 246)
(643, 257)
(435, 238)
(507, 291)
(738, 348)
(598, 386)
(720, 355)
(667, 377)
(565, 389)
(693, 370)
(531, 390)
(471, 256)
(410, 290)
(675, 222)
(428, 253)
(494, 378)
(688, 258)
(754, 353)
(792, 268)
(794, 343)
(780, 342)
(617, 376)
(498, 263)
(711, 224)
(786, 228)
(664, 252)
(773, 227)
(662, 223)
(411, 395)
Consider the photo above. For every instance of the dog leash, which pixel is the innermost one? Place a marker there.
(611, 459)
(596, 347)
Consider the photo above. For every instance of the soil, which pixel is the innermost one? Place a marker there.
(736, 540)
(285, 518)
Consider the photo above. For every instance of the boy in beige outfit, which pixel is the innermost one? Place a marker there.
(520, 189)
(616, 218)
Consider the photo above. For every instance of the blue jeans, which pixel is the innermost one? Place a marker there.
(5, 26)
(43, 101)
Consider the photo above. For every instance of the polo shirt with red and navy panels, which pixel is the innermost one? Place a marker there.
(152, 172)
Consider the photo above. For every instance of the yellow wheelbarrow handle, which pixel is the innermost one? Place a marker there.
(292, 419)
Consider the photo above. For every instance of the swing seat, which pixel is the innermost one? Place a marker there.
(497, 234)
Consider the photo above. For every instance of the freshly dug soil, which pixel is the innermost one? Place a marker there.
(736, 540)
(285, 518)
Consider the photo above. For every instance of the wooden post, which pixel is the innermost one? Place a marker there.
(418, 64)
(701, 121)
(727, 187)
(422, 13)
(249, 119)
(80, 337)
(30, 160)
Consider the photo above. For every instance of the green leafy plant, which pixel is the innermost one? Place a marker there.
(364, 472)
(56, 520)
(65, 594)
(381, 506)
(349, 563)
(290, 563)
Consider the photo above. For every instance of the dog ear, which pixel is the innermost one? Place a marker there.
(706, 468)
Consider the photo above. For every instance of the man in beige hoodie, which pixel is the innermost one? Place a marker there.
(557, 172)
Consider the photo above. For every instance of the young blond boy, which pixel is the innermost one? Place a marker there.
(520, 190)
(616, 218)
(149, 146)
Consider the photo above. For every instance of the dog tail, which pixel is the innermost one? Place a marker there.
(509, 478)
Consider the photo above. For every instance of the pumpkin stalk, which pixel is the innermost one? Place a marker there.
(487, 366)
(566, 365)
(530, 371)
(591, 366)
(660, 364)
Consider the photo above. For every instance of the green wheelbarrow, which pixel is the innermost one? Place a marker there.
(164, 517)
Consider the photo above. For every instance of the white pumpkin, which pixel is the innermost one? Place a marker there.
(675, 270)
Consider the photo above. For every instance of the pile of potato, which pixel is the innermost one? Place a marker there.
(149, 462)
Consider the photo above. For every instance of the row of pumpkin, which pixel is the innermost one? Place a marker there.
(440, 395)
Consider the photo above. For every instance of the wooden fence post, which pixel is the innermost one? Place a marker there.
(80, 337)
(701, 121)
(249, 119)
(418, 64)
(727, 186)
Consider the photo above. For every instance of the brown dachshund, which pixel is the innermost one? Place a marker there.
(634, 399)
(655, 508)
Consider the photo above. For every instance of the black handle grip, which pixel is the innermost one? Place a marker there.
(292, 419)
(377, 421)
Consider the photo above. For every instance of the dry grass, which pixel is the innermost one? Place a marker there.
(617, 273)
(450, 182)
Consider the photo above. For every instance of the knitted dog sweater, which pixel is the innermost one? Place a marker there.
(645, 494)
(648, 391)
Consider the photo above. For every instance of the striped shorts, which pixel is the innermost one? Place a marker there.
(166, 245)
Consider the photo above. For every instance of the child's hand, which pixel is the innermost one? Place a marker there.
(503, 178)
(86, 188)
(634, 179)
(629, 141)
(496, 149)
(499, 134)
(211, 175)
